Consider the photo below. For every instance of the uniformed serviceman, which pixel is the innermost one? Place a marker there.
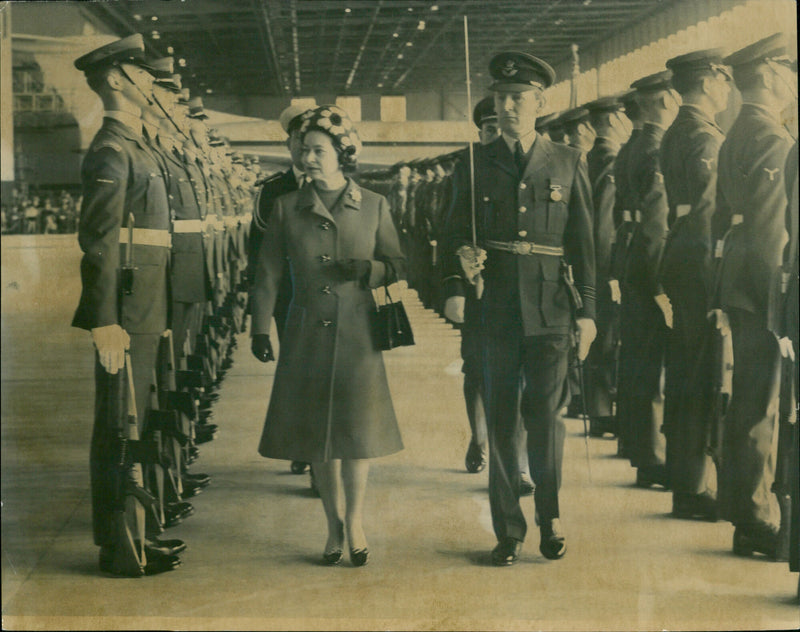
(485, 120)
(543, 124)
(124, 234)
(271, 189)
(751, 194)
(623, 222)
(533, 215)
(612, 127)
(688, 155)
(645, 311)
(578, 129)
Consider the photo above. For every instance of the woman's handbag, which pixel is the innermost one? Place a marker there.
(390, 325)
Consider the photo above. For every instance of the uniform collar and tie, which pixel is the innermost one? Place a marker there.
(131, 121)
(520, 148)
(299, 176)
(769, 112)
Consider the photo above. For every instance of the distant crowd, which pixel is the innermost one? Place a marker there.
(46, 213)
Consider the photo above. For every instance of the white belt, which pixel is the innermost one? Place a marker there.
(736, 219)
(231, 221)
(147, 237)
(247, 217)
(683, 209)
(626, 216)
(213, 222)
(187, 226)
(637, 217)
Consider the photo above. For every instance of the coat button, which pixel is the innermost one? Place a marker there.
(326, 289)
(325, 258)
(523, 233)
(326, 323)
(522, 186)
(325, 225)
(486, 198)
(522, 209)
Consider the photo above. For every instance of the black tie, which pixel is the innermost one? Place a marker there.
(519, 157)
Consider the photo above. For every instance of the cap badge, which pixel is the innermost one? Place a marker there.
(510, 69)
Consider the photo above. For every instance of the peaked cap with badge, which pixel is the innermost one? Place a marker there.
(514, 71)
(653, 83)
(128, 50)
(484, 111)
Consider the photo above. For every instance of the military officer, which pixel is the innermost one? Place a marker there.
(543, 124)
(688, 156)
(533, 216)
(645, 310)
(271, 189)
(623, 222)
(578, 129)
(612, 127)
(124, 234)
(751, 194)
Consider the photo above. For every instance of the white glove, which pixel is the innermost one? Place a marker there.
(721, 320)
(587, 332)
(111, 342)
(616, 293)
(472, 259)
(454, 309)
(662, 300)
(786, 347)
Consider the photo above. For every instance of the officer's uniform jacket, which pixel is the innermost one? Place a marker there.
(688, 155)
(623, 209)
(648, 199)
(120, 176)
(549, 205)
(601, 160)
(187, 271)
(751, 185)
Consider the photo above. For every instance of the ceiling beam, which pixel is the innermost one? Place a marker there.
(268, 43)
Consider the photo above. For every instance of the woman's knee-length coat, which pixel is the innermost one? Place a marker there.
(330, 399)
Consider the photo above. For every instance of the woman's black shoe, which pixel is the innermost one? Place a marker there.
(332, 558)
(299, 467)
(359, 557)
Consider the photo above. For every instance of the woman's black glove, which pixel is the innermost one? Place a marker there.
(262, 348)
(354, 270)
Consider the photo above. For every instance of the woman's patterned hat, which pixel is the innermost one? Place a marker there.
(334, 121)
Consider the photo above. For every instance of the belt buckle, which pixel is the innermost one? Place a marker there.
(521, 247)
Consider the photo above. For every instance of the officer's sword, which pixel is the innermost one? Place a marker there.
(469, 144)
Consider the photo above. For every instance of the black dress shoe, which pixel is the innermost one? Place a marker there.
(159, 563)
(164, 547)
(190, 489)
(127, 568)
(694, 507)
(526, 486)
(475, 461)
(506, 552)
(598, 426)
(332, 558)
(174, 513)
(359, 557)
(299, 467)
(552, 544)
(650, 475)
(203, 480)
(757, 538)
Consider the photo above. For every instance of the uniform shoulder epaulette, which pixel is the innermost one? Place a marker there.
(271, 178)
(108, 144)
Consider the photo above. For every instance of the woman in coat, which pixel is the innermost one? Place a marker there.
(330, 403)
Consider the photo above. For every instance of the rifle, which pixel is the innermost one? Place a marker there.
(720, 362)
(784, 468)
(577, 303)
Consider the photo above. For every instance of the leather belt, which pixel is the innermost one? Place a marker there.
(637, 217)
(147, 237)
(525, 248)
(626, 216)
(736, 219)
(187, 226)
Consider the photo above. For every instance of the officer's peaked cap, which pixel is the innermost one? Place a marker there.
(770, 48)
(126, 50)
(699, 60)
(484, 111)
(516, 72)
(653, 83)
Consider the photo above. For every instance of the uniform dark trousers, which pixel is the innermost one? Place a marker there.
(600, 367)
(542, 361)
(645, 339)
(688, 405)
(749, 439)
(473, 384)
(184, 325)
(143, 353)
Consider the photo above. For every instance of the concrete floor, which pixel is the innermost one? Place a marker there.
(257, 536)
